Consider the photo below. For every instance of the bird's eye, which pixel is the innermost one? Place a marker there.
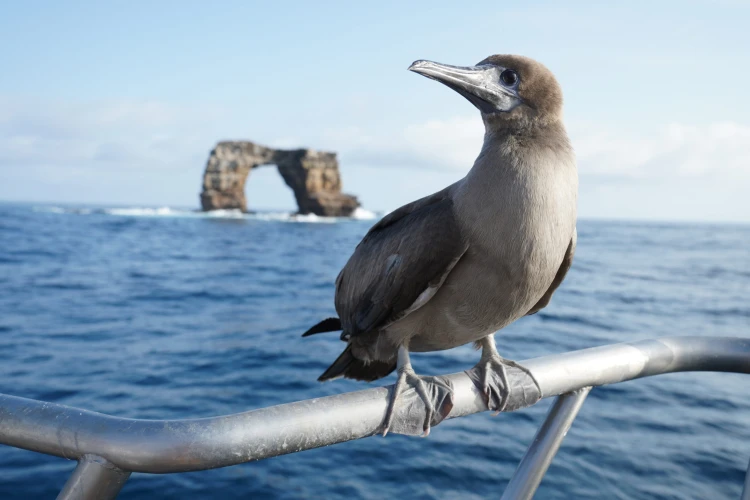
(509, 77)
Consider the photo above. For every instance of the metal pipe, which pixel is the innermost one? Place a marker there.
(566, 372)
(94, 479)
(543, 449)
(163, 446)
(746, 489)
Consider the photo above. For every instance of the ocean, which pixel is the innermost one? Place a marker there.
(165, 313)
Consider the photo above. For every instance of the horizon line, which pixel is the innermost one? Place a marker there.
(379, 212)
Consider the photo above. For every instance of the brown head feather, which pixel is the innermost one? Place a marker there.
(541, 94)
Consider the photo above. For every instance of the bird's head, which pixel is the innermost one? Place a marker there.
(507, 89)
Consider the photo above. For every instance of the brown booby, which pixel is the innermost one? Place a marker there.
(458, 265)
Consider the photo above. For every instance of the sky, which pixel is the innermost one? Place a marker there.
(120, 103)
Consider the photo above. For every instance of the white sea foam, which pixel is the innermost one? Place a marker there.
(221, 214)
(63, 210)
(359, 214)
(292, 217)
(363, 214)
(52, 210)
(143, 212)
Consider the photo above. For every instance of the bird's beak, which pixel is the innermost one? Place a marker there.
(479, 84)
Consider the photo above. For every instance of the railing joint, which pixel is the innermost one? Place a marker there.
(94, 477)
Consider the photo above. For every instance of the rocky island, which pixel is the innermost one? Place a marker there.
(313, 176)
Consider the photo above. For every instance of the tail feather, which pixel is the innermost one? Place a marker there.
(346, 365)
(327, 325)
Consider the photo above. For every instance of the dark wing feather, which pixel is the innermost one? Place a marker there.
(559, 277)
(346, 365)
(407, 252)
(327, 325)
(406, 211)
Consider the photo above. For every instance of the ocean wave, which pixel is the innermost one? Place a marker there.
(64, 210)
(363, 214)
(359, 214)
(142, 212)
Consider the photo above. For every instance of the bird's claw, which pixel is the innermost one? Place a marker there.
(490, 376)
(434, 393)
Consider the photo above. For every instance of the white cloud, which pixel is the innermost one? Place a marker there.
(132, 134)
(676, 149)
(128, 134)
(447, 145)
(682, 150)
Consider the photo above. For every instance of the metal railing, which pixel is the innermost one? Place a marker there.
(108, 448)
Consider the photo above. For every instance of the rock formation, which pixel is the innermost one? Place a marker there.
(313, 176)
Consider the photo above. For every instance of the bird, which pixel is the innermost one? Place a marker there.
(458, 265)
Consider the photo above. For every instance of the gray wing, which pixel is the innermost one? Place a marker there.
(559, 277)
(400, 264)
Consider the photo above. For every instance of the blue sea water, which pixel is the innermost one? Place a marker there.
(169, 314)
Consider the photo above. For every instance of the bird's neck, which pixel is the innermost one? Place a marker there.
(524, 133)
(514, 147)
(522, 178)
(523, 163)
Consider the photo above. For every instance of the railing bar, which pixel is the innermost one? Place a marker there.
(167, 446)
(546, 443)
(94, 478)
(746, 489)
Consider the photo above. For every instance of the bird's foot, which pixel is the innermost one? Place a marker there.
(505, 385)
(425, 399)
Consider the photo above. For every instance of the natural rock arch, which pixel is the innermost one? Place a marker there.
(313, 176)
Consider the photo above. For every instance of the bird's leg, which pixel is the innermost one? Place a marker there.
(408, 379)
(496, 394)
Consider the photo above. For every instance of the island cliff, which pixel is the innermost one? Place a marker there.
(313, 176)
